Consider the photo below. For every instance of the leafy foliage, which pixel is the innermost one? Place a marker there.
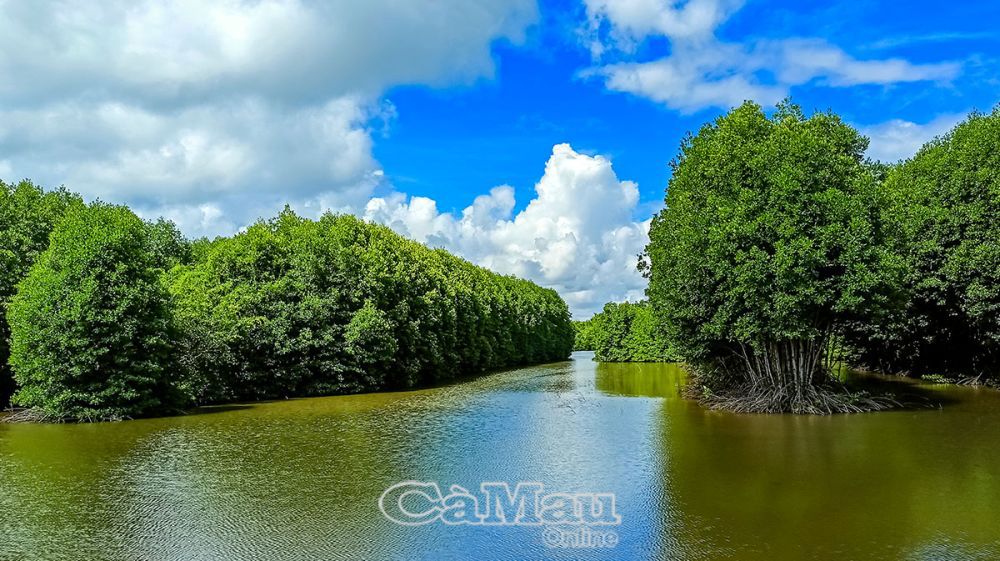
(778, 244)
(627, 332)
(90, 324)
(584, 340)
(168, 245)
(27, 216)
(300, 307)
(770, 243)
(945, 204)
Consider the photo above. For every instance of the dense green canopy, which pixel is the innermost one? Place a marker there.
(91, 334)
(121, 318)
(770, 243)
(584, 340)
(946, 211)
(301, 307)
(27, 216)
(625, 332)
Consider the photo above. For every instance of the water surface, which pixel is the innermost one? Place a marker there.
(300, 479)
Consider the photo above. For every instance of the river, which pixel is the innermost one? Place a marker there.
(301, 479)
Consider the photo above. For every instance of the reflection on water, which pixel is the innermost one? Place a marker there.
(645, 380)
(300, 479)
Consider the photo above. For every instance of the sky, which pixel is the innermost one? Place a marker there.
(529, 137)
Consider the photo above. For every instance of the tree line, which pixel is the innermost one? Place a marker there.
(782, 249)
(624, 332)
(109, 316)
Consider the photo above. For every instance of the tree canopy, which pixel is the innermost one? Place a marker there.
(301, 307)
(27, 216)
(91, 334)
(121, 318)
(584, 340)
(944, 208)
(627, 332)
(770, 243)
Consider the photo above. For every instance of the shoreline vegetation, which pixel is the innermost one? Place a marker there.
(771, 243)
(119, 318)
(781, 250)
(623, 332)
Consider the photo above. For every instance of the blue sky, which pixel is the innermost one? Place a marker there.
(501, 129)
(532, 138)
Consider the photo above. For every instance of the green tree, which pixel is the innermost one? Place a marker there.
(627, 332)
(27, 216)
(770, 244)
(584, 340)
(301, 307)
(945, 204)
(168, 245)
(90, 324)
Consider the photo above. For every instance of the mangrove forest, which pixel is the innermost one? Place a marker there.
(781, 254)
(113, 317)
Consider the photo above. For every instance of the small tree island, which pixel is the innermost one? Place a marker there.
(770, 245)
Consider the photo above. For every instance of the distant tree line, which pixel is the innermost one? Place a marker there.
(624, 332)
(302, 307)
(780, 246)
(109, 316)
(583, 341)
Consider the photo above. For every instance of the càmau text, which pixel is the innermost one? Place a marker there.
(415, 503)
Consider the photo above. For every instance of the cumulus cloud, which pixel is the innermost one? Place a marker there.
(634, 20)
(703, 71)
(128, 152)
(181, 50)
(897, 140)
(578, 234)
(213, 112)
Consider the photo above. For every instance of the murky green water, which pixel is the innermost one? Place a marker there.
(301, 479)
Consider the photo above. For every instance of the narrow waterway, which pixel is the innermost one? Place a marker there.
(301, 479)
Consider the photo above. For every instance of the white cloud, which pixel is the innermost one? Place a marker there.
(229, 155)
(898, 139)
(577, 235)
(214, 113)
(693, 78)
(702, 71)
(182, 50)
(634, 20)
(798, 61)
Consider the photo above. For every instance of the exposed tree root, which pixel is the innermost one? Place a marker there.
(980, 380)
(39, 416)
(825, 399)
